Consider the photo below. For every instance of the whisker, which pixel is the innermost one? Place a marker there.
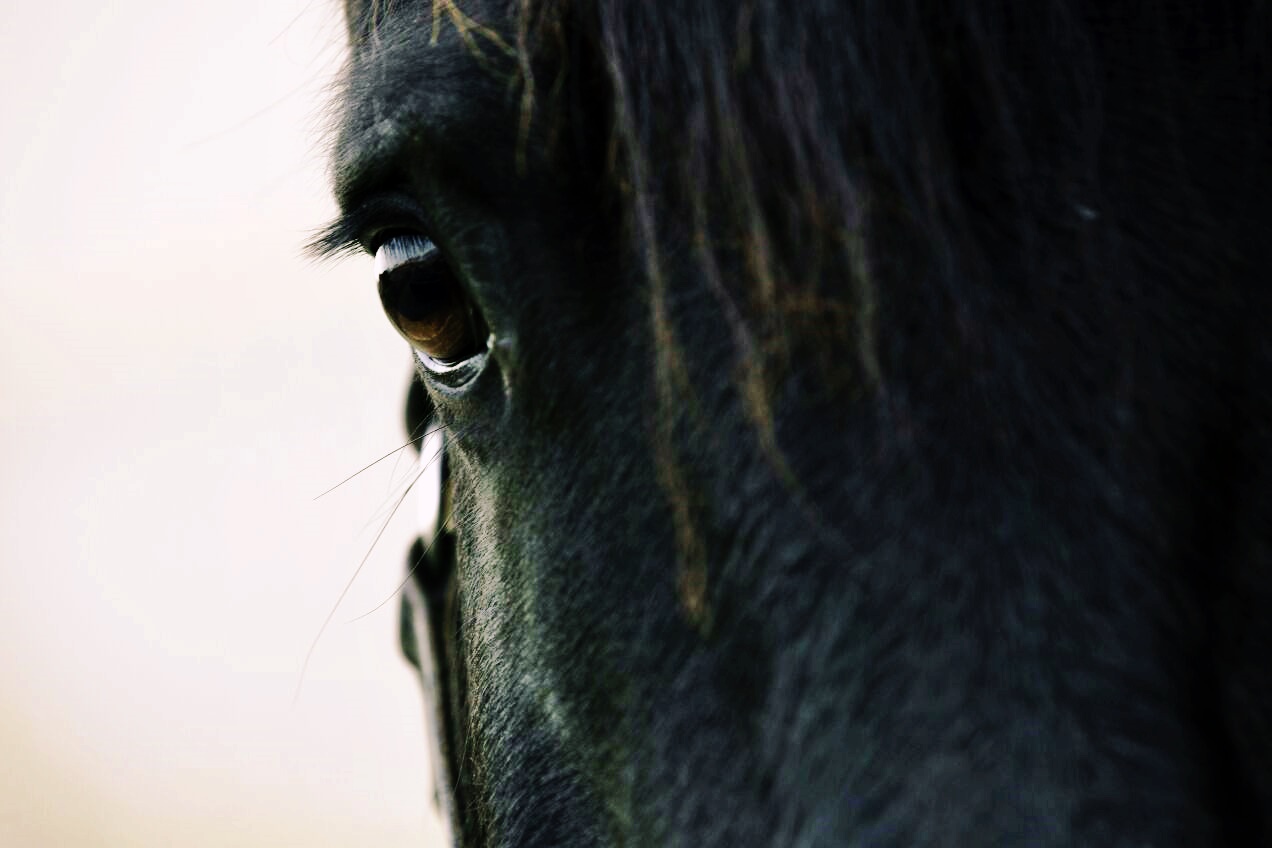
(292, 23)
(419, 466)
(371, 465)
(349, 584)
(409, 574)
(264, 110)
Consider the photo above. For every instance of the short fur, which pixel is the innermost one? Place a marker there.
(877, 448)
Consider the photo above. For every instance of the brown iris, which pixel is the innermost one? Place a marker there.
(427, 305)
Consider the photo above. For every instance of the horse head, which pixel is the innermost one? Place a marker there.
(855, 415)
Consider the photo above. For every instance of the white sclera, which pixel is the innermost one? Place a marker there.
(399, 250)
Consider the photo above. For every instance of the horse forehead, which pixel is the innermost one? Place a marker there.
(481, 26)
(421, 76)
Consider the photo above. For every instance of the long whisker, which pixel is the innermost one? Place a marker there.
(409, 574)
(349, 584)
(420, 464)
(291, 24)
(371, 465)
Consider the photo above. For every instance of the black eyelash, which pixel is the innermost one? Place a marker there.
(348, 234)
(337, 240)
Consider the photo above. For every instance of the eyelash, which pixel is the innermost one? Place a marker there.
(367, 225)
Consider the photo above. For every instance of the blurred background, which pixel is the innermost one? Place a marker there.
(177, 383)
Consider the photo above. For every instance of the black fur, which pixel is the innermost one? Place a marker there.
(877, 447)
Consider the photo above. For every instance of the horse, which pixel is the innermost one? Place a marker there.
(853, 419)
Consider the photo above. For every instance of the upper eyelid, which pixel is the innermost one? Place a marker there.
(357, 227)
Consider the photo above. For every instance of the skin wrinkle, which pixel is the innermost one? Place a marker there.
(885, 456)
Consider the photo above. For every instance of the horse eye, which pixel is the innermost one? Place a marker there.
(426, 303)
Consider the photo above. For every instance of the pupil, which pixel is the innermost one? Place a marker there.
(427, 306)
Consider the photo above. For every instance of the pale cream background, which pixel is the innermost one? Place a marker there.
(176, 384)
